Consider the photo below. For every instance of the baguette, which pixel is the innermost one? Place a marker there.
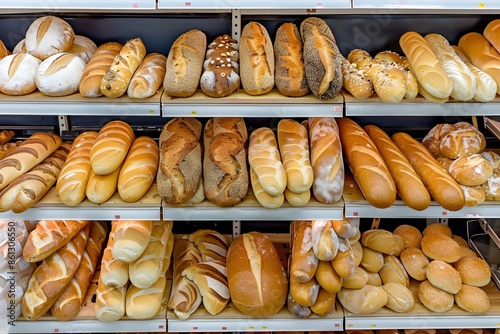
(303, 262)
(28, 189)
(52, 276)
(68, 304)
(111, 147)
(368, 167)
(100, 188)
(27, 155)
(114, 272)
(116, 80)
(441, 186)
(139, 170)
(96, 68)
(148, 77)
(408, 184)
(5, 136)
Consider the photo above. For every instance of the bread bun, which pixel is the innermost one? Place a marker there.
(327, 277)
(368, 299)
(440, 247)
(374, 279)
(304, 293)
(460, 241)
(433, 298)
(442, 275)
(372, 260)
(60, 74)
(400, 298)
(380, 240)
(471, 170)
(18, 74)
(474, 271)
(83, 47)
(472, 299)
(410, 234)
(357, 250)
(473, 195)
(393, 271)
(356, 280)
(415, 263)
(438, 228)
(47, 36)
(324, 304)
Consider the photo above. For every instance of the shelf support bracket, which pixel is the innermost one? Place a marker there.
(63, 124)
(437, 220)
(236, 228)
(236, 24)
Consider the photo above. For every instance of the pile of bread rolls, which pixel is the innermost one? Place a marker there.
(460, 148)
(68, 252)
(100, 163)
(132, 279)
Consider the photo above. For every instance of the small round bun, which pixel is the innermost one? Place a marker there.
(442, 275)
(439, 228)
(466, 252)
(472, 299)
(460, 241)
(400, 298)
(474, 271)
(372, 260)
(433, 298)
(410, 234)
(473, 195)
(438, 246)
(415, 263)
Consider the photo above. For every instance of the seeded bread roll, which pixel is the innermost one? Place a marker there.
(18, 74)
(474, 271)
(47, 36)
(442, 275)
(441, 247)
(60, 74)
(433, 298)
(472, 299)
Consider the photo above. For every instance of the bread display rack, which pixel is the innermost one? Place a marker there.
(239, 104)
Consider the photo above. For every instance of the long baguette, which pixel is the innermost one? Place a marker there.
(442, 187)
(408, 184)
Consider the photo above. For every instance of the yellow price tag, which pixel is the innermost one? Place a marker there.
(373, 325)
(264, 327)
(482, 5)
(350, 325)
(151, 111)
(194, 113)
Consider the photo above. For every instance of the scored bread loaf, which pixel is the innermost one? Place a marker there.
(256, 59)
(463, 139)
(96, 68)
(138, 172)
(111, 147)
(225, 174)
(400, 298)
(116, 80)
(327, 277)
(60, 74)
(325, 241)
(83, 47)
(326, 159)
(322, 58)
(368, 168)
(185, 64)
(211, 244)
(49, 236)
(220, 76)
(264, 198)
(325, 303)
(380, 240)
(47, 36)
(180, 170)
(372, 260)
(25, 191)
(6, 135)
(356, 280)
(343, 263)
(109, 302)
(148, 77)
(7, 147)
(470, 170)
(393, 59)
(289, 72)
(393, 271)
(409, 186)
(100, 188)
(114, 272)
(347, 227)
(27, 155)
(131, 239)
(68, 304)
(303, 261)
(304, 293)
(264, 159)
(52, 276)
(442, 187)
(144, 303)
(18, 74)
(368, 299)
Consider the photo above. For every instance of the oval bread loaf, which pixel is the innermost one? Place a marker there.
(148, 78)
(100, 188)
(60, 74)
(18, 74)
(368, 299)
(47, 36)
(83, 47)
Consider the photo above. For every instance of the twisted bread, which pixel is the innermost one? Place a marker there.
(148, 77)
(355, 80)
(394, 59)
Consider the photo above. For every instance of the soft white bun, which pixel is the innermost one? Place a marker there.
(433, 298)
(400, 298)
(368, 299)
(474, 271)
(442, 275)
(472, 299)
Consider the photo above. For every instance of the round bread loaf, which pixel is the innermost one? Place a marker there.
(439, 228)
(415, 263)
(18, 73)
(410, 234)
(441, 247)
(472, 299)
(471, 169)
(60, 74)
(83, 47)
(442, 275)
(47, 36)
(257, 281)
(400, 298)
(368, 299)
(433, 298)
(492, 157)
(20, 47)
(474, 271)
(473, 195)
(464, 139)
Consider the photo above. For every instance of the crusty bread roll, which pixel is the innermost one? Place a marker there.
(83, 47)
(264, 198)
(380, 240)
(432, 140)
(20, 47)
(393, 271)
(322, 58)
(462, 140)
(442, 275)
(368, 299)
(439, 228)
(225, 174)
(356, 280)
(324, 304)
(139, 169)
(343, 263)
(442, 187)
(289, 74)
(326, 159)
(256, 59)
(146, 302)
(18, 74)
(148, 77)
(220, 76)
(100, 188)
(111, 147)
(185, 64)
(116, 80)
(257, 281)
(491, 33)
(347, 227)
(357, 249)
(400, 298)
(433, 298)
(47, 36)
(367, 166)
(131, 239)
(472, 299)
(410, 234)
(415, 263)
(471, 170)
(372, 260)
(474, 271)
(440, 247)
(325, 241)
(114, 272)
(327, 277)
(304, 293)
(303, 261)
(72, 181)
(3, 50)
(374, 279)
(96, 68)
(60, 74)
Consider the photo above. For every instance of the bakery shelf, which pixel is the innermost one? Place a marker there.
(240, 104)
(78, 4)
(50, 207)
(76, 105)
(426, 4)
(232, 320)
(357, 206)
(419, 106)
(250, 209)
(259, 4)
(492, 228)
(420, 317)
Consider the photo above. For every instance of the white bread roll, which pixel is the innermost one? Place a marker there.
(60, 74)
(442, 275)
(131, 239)
(83, 47)
(356, 280)
(304, 293)
(473, 271)
(415, 263)
(372, 260)
(400, 298)
(343, 263)
(380, 240)
(18, 74)
(144, 303)
(441, 247)
(472, 299)
(393, 271)
(47, 36)
(368, 299)
(471, 170)
(433, 298)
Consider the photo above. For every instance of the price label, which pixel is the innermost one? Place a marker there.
(373, 325)
(350, 325)
(187, 4)
(482, 5)
(135, 5)
(151, 111)
(117, 216)
(194, 113)
(337, 108)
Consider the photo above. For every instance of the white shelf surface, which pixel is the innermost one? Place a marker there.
(77, 105)
(240, 104)
(258, 4)
(427, 4)
(79, 4)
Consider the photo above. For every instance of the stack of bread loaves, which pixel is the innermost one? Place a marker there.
(199, 274)
(134, 263)
(460, 148)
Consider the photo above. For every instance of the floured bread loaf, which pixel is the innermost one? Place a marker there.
(47, 36)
